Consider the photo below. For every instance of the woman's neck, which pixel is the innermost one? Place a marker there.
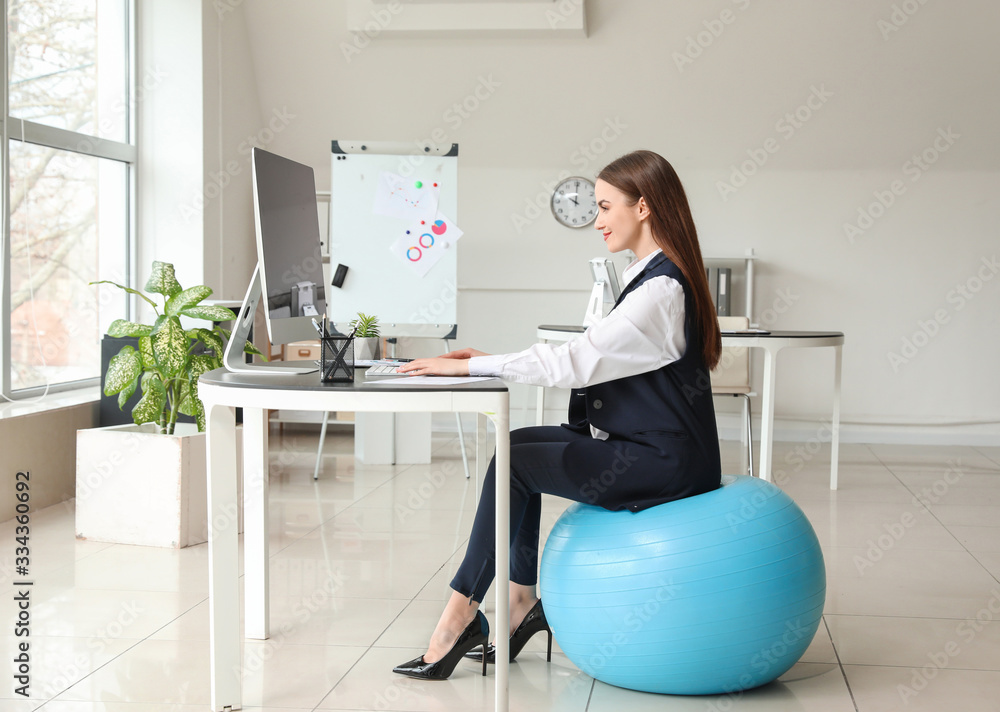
(645, 245)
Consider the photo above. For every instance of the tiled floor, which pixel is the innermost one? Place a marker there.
(360, 565)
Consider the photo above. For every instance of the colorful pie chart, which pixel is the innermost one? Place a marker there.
(439, 227)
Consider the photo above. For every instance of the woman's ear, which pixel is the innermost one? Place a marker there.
(643, 208)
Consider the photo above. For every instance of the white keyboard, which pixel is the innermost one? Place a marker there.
(383, 369)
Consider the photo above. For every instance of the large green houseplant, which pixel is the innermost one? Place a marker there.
(170, 358)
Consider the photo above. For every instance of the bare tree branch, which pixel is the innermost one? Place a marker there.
(51, 264)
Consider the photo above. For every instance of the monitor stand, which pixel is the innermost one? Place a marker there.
(233, 359)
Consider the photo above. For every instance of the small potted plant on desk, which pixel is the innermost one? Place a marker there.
(367, 344)
(146, 483)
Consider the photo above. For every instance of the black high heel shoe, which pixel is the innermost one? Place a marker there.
(476, 634)
(532, 623)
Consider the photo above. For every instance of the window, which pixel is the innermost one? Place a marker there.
(70, 163)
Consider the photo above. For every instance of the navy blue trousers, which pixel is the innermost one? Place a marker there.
(538, 466)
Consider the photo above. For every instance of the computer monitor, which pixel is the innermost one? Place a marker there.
(289, 274)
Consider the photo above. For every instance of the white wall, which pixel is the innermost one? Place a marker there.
(196, 123)
(233, 123)
(169, 140)
(549, 105)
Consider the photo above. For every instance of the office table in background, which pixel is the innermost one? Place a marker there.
(771, 343)
(221, 392)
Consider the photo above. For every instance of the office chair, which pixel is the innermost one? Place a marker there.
(731, 376)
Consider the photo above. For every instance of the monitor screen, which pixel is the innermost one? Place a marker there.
(288, 246)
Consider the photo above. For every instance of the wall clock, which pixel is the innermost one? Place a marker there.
(573, 202)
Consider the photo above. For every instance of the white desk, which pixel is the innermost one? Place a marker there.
(771, 344)
(221, 392)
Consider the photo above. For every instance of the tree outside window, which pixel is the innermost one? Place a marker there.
(68, 103)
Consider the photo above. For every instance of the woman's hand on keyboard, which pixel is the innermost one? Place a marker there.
(441, 366)
(464, 353)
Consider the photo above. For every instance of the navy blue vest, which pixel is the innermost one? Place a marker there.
(665, 418)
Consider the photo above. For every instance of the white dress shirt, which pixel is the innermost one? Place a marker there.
(643, 333)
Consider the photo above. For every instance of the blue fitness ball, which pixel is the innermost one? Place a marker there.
(706, 595)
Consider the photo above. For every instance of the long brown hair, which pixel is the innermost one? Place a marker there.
(644, 174)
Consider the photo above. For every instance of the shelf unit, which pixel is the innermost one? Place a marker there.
(746, 265)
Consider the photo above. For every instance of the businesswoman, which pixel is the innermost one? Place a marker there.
(641, 427)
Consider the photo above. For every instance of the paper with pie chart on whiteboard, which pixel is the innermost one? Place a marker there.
(425, 242)
(406, 198)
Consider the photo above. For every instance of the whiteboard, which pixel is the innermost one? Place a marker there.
(377, 281)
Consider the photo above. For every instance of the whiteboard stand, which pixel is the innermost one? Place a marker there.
(377, 282)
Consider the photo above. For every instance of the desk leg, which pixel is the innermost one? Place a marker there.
(223, 559)
(501, 419)
(835, 425)
(255, 530)
(767, 414)
(482, 450)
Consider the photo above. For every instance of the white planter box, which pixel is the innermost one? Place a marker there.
(135, 486)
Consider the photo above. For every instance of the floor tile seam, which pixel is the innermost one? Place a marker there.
(337, 514)
(452, 441)
(882, 462)
(593, 684)
(875, 455)
(369, 648)
(376, 489)
(896, 547)
(813, 499)
(947, 668)
(988, 457)
(113, 658)
(960, 549)
(921, 618)
(285, 644)
(89, 589)
(996, 577)
(296, 540)
(388, 625)
(930, 511)
(441, 568)
(82, 558)
(969, 468)
(888, 467)
(138, 590)
(446, 443)
(840, 664)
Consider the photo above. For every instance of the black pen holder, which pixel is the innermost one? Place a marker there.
(336, 359)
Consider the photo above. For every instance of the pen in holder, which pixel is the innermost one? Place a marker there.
(337, 359)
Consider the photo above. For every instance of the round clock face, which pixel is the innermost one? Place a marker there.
(573, 202)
